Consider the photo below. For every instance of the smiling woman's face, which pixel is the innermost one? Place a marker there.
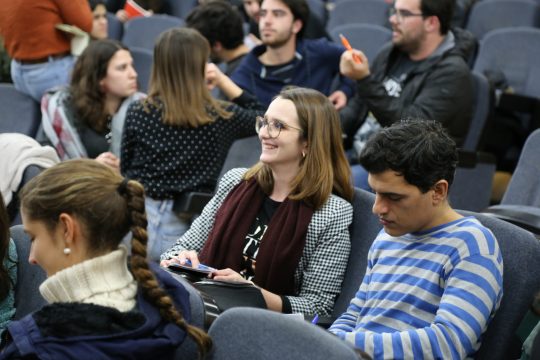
(285, 151)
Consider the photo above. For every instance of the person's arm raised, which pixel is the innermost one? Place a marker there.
(216, 78)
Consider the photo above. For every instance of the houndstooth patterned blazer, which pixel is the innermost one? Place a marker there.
(322, 266)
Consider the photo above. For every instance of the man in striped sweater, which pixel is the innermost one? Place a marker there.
(434, 278)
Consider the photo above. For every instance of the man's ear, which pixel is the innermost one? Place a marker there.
(217, 47)
(440, 191)
(297, 26)
(432, 24)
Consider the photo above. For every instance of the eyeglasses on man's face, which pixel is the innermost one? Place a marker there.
(402, 14)
(274, 127)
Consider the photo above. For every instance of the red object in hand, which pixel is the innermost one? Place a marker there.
(348, 46)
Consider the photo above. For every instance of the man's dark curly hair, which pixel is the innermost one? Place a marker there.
(419, 150)
(218, 20)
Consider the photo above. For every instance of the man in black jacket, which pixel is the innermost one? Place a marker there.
(422, 74)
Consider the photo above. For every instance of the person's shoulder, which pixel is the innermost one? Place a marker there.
(137, 96)
(233, 176)
(320, 44)
(336, 205)
(473, 234)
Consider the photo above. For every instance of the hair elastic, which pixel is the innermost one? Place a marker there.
(122, 188)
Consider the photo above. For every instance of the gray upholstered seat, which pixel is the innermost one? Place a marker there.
(143, 31)
(142, 62)
(249, 333)
(483, 106)
(521, 201)
(521, 257)
(19, 112)
(366, 37)
(29, 277)
(356, 12)
(495, 14)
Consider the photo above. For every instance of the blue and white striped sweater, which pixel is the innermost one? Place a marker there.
(426, 295)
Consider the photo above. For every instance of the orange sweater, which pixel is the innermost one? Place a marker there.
(28, 26)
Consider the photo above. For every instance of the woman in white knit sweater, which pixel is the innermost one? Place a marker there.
(76, 214)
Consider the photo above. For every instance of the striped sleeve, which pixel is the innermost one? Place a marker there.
(348, 320)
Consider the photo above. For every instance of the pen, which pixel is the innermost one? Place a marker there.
(348, 46)
(315, 319)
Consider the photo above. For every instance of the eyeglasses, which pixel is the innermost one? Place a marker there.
(274, 127)
(402, 14)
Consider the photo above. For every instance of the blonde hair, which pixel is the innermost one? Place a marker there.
(325, 169)
(107, 207)
(177, 81)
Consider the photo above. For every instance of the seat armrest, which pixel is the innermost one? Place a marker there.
(191, 202)
(526, 217)
(322, 321)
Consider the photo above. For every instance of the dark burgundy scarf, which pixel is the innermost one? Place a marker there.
(280, 249)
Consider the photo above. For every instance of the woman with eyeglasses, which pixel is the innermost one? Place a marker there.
(176, 140)
(282, 224)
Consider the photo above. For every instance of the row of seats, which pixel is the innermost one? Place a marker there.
(518, 247)
(484, 15)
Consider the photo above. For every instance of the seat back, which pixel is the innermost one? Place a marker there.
(20, 112)
(272, 335)
(181, 8)
(143, 31)
(364, 228)
(514, 52)
(521, 258)
(483, 105)
(524, 187)
(142, 61)
(318, 8)
(115, 28)
(188, 350)
(29, 277)
(471, 189)
(356, 12)
(30, 172)
(243, 153)
(495, 14)
(369, 38)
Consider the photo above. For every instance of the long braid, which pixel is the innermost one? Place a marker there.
(146, 278)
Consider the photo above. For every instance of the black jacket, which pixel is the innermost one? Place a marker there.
(439, 89)
(87, 331)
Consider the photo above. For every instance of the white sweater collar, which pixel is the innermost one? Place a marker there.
(104, 280)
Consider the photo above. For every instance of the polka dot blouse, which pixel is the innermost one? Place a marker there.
(169, 160)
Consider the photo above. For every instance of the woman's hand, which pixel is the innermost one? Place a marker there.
(108, 158)
(181, 259)
(229, 275)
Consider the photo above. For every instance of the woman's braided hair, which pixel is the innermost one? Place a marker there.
(108, 206)
(145, 277)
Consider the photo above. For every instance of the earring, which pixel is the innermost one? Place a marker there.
(303, 154)
(67, 251)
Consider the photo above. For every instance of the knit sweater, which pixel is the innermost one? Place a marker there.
(426, 295)
(104, 280)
